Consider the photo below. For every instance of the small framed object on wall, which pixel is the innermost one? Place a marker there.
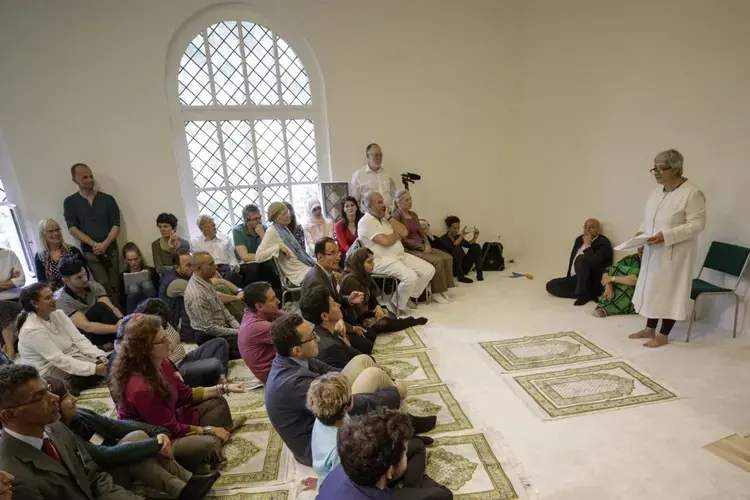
(332, 193)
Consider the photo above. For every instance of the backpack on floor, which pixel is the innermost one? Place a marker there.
(492, 257)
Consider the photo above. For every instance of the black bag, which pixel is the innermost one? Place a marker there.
(492, 257)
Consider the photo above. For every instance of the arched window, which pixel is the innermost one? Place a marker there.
(248, 113)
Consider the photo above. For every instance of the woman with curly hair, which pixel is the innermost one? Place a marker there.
(130, 450)
(146, 388)
(358, 278)
(374, 450)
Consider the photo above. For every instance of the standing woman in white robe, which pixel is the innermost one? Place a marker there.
(675, 214)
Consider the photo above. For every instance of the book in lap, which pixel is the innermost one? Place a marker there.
(135, 278)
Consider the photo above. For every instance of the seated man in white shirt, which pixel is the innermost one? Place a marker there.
(373, 177)
(377, 233)
(220, 247)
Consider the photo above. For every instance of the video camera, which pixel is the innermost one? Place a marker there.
(409, 178)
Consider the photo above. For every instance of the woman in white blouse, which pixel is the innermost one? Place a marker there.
(317, 226)
(280, 243)
(49, 341)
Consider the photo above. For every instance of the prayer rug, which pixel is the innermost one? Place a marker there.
(437, 400)
(540, 351)
(239, 373)
(577, 391)
(98, 402)
(253, 457)
(413, 368)
(250, 404)
(268, 495)
(403, 341)
(468, 467)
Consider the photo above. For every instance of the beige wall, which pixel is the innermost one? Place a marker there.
(431, 81)
(524, 117)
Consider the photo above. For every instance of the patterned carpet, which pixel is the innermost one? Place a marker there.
(260, 467)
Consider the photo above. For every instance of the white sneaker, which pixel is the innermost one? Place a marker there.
(446, 296)
(440, 299)
(412, 304)
(451, 294)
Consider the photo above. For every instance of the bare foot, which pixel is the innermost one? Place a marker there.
(646, 333)
(658, 341)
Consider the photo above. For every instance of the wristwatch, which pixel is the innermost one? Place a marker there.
(207, 430)
(612, 279)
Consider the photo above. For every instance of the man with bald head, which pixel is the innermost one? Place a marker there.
(589, 259)
(208, 316)
(382, 235)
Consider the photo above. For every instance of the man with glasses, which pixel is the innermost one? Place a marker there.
(327, 257)
(373, 177)
(247, 236)
(589, 259)
(41, 453)
(293, 370)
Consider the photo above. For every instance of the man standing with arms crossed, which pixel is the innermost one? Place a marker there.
(93, 218)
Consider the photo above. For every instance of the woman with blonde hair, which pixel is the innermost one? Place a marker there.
(417, 244)
(279, 243)
(317, 226)
(55, 249)
(146, 388)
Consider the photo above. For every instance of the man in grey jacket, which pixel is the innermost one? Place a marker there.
(41, 453)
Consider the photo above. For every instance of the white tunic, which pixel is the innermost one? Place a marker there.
(667, 269)
(293, 268)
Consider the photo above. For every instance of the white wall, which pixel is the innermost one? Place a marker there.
(607, 85)
(525, 117)
(431, 81)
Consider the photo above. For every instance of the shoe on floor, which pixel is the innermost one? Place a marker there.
(423, 425)
(440, 299)
(581, 302)
(199, 486)
(464, 279)
(480, 277)
(426, 440)
(412, 304)
(238, 422)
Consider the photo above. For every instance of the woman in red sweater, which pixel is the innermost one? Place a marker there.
(346, 226)
(147, 388)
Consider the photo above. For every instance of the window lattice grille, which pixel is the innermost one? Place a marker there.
(3, 197)
(244, 158)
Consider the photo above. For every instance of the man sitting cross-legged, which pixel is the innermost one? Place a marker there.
(40, 452)
(335, 347)
(86, 303)
(208, 316)
(294, 369)
(254, 339)
(589, 259)
(327, 259)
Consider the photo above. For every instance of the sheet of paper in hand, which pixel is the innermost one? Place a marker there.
(632, 243)
(135, 278)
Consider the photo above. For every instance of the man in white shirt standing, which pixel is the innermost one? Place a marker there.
(373, 177)
(220, 247)
(383, 236)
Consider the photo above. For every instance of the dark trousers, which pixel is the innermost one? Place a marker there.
(586, 284)
(101, 313)
(106, 270)
(260, 271)
(666, 325)
(389, 325)
(415, 484)
(226, 272)
(199, 453)
(231, 340)
(463, 261)
(206, 364)
(137, 293)
(363, 344)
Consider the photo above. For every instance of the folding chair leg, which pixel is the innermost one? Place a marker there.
(692, 318)
(736, 312)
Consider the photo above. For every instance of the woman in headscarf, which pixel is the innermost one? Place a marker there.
(357, 278)
(280, 243)
(317, 226)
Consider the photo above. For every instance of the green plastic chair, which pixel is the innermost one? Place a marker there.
(724, 258)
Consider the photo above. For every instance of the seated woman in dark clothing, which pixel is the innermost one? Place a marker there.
(135, 292)
(130, 450)
(358, 278)
(168, 243)
(455, 239)
(146, 388)
(55, 249)
(294, 226)
(374, 450)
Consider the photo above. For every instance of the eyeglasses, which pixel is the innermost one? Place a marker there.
(660, 168)
(314, 337)
(35, 400)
